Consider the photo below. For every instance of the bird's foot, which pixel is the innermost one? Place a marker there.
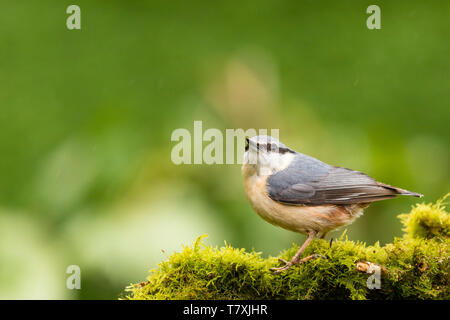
(288, 264)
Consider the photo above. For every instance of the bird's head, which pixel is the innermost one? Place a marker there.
(267, 155)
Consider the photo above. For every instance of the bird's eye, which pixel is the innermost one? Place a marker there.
(246, 144)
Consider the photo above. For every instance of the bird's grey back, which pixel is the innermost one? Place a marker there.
(310, 181)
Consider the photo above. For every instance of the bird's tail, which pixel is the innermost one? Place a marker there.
(403, 192)
(410, 193)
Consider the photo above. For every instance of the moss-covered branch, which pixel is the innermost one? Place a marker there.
(415, 266)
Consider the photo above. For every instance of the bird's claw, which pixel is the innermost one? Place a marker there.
(288, 264)
(316, 255)
(282, 260)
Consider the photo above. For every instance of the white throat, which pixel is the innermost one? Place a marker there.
(267, 163)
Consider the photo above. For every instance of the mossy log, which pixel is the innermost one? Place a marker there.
(415, 266)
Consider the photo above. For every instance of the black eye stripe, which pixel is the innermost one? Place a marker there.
(285, 150)
(271, 147)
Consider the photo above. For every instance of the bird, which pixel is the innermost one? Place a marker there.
(305, 195)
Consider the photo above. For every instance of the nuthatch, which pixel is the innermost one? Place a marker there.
(302, 194)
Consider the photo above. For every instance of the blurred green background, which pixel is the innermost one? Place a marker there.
(86, 118)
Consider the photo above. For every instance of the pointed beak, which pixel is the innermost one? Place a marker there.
(250, 144)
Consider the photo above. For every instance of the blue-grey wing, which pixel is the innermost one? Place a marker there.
(310, 181)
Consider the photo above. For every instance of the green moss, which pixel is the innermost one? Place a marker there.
(413, 267)
(427, 221)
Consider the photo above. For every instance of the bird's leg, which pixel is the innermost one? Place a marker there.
(296, 259)
(323, 235)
